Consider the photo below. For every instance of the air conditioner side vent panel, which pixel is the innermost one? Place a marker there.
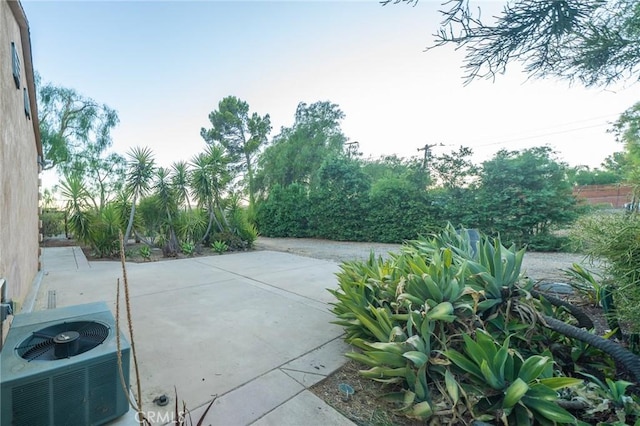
(31, 403)
(69, 391)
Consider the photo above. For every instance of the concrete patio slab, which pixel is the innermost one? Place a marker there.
(248, 403)
(252, 328)
(314, 366)
(307, 406)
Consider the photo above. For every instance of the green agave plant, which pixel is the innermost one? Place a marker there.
(519, 390)
(145, 252)
(219, 247)
(614, 393)
(452, 325)
(187, 248)
(496, 273)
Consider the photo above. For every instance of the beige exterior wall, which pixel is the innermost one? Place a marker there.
(19, 150)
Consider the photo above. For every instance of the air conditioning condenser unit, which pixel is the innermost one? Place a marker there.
(60, 367)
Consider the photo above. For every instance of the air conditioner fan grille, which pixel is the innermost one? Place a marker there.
(63, 340)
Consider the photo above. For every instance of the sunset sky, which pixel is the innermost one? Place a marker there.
(165, 65)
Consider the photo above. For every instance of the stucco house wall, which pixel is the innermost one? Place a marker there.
(20, 151)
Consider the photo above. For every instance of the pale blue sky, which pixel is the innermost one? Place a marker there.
(165, 65)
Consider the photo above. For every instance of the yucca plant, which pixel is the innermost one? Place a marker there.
(78, 206)
(191, 225)
(104, 230)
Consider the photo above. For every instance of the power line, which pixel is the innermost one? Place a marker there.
(541, 135)
(516, 138)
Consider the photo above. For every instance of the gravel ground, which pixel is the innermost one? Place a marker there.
(539, 266)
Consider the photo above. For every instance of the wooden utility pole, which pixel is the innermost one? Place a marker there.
(352, 148)
(427, 153)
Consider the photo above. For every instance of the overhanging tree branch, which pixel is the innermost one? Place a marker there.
(595, 42)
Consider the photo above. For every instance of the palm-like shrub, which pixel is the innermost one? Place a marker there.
(191, 225)
(104, 231)
(74, 191)
(452, 323)
(240, 224)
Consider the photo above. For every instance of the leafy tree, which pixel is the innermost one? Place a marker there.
(76, 133)
(615, 163)
(105, 175)
(241, 134)
(627, 131)
(583, 175)
(454, 170)
(524, 194)
(73, 127)
(453, 189)
(596, 42)
(392, 166)
(140, 170)
(297, 152)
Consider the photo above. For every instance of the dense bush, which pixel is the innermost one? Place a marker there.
(457, 333)
(241, 226)
(52, 222)
(285, 212)
(338, 201)
(396, 212)
(191, 225)
(548, 242)
(104, 232)
(230, 239)
(523, 196)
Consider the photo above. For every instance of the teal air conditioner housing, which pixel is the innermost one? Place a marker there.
(60, 367)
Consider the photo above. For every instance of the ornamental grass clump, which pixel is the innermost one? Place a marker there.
(453, 330)
(614, 240)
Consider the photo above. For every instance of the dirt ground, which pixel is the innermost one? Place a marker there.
(538, 266)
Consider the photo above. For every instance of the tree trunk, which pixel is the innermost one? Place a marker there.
(250, 175)
(170, 248)
(212, 217)
(127, 234)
